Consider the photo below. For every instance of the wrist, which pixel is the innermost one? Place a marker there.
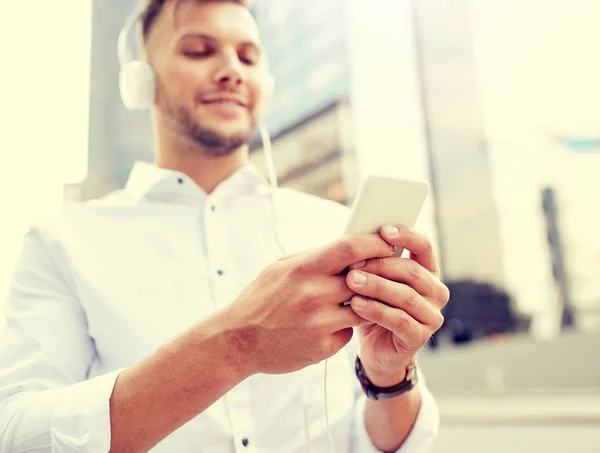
(230, 350)
(386, 379)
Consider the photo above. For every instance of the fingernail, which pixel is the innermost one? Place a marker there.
(390, 230)
(359, 265)
(360, 278)
(359, 302)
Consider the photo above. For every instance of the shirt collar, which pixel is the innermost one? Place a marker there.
(150, 182)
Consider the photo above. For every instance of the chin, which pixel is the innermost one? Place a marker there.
(231, 130)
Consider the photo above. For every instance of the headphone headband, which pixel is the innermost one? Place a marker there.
(123, 50)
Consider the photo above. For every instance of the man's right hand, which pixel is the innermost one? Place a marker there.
(292, 314)
(290, 317)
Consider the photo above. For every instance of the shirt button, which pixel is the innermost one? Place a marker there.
(180, 180)
(220, 272)
(213, 208)
(245, 442)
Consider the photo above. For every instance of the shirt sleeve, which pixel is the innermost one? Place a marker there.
(424, 432)
(47, 405)
(423, 435)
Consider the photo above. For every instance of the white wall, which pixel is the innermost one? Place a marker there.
(44, 86)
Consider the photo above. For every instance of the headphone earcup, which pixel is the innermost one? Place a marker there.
(137, 85)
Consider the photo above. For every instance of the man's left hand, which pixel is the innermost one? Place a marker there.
(402, 299)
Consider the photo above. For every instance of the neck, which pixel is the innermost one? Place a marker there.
(204, 168)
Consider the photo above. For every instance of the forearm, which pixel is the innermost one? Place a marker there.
(155, 397)
(390, 421)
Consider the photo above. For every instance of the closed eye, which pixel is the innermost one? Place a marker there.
(198, 53)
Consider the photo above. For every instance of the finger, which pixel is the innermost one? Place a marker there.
(411, 273)
(411, 334)
(338, 340)
(331, 290)
(344, 318)
(396, 295)
(349, 249)
(419, 246)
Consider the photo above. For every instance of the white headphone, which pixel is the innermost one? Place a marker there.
(137, 82)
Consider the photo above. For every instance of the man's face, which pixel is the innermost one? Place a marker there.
(212, 76)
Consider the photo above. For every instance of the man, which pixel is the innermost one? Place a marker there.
(163, 317)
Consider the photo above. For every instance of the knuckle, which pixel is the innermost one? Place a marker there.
(411, 299)
(410, 333)
(440, 294)
(299, 269)
(413, 269)
(348, 250)
(439, 321)
(375, 311)
(309, 295)
(414, 336)
(444, 294)
(402, 325)
(377, 265)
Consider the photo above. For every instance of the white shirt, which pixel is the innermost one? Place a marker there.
(104, 283)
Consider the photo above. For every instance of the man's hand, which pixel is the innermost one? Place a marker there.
(402, 298)
(292, 315)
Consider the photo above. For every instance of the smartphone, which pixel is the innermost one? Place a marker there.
(383, 200)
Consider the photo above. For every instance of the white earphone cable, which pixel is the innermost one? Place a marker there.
(331, 446)
(305, 412)
(270, 163)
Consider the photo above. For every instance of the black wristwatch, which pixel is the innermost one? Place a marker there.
(378, 393)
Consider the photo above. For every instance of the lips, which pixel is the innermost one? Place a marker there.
(224, 100)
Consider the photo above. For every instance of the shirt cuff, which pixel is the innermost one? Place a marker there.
(421, 438)
(81, 416)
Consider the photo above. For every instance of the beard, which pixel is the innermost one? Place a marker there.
(208, 139)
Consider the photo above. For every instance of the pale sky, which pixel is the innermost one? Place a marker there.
(44, 86)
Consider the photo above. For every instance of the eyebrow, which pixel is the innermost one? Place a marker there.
(212, 39)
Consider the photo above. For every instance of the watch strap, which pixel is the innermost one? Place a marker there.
(377, 393)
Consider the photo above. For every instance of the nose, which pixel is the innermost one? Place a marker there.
(229, 74)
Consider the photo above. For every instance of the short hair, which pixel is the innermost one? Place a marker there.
(153, 9)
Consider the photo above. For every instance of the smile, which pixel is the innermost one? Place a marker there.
(224, 102)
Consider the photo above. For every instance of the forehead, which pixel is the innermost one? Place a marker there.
(224, 21)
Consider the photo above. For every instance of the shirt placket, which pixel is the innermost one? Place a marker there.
(238, 401)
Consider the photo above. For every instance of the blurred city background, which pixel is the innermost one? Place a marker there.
(495, 103)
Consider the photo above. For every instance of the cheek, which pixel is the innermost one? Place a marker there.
(181, 82)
